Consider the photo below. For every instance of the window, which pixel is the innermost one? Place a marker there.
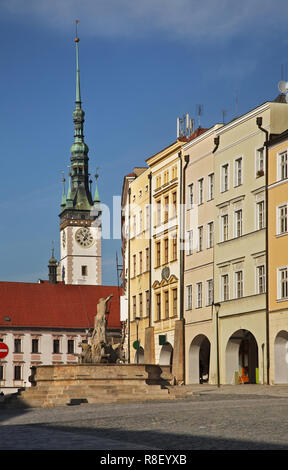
(158, 306)
(238, 223)
(158, 214)
(239, 284)
(260, 215)
(147, 259)
(17, 372)
(174, 297)
(134, 265)
(140, 262)
(147, 217)
(174, 247)
(282, 165)
(174, 204)
(166, 252)
(225, 177)
(225, 287)
(199, 295)
(1, 372)
(166, 304)
(210, 234)
(166, 176)
(260, 162)
(70, 346)
(140, 305)
(209, 288)
(56, 346)
(200, 190)
(134, 225)
(140, 221)
(158, 254)
(200, 238)
(158, 182)
(166, 208)
(238, 172)
(189, 297)
(210, 186)
(260, 279)
(283, 283)
(190, 195)
(282, 219)
(147, 302)
(224, 227)
(35, 345)
(84, 270)
(190, 242)
(134, 306)
(17, 345)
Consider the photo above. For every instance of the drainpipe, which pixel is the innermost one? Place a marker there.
(129, 262)
(259, 124)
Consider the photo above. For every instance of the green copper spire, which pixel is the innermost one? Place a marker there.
(78, 93)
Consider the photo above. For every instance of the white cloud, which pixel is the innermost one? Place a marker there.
(209, 20)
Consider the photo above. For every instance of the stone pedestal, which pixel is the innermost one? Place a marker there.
(94, 383)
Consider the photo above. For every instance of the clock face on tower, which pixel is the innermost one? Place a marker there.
(84, 237)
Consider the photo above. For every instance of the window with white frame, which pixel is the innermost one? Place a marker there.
(283, 283)
(209, 291)
(224, 177)
(260, 215)
(210, 234)
(282, 224)
(224, 227)
(260, 161)
(189, 297)
(238, 223)
(225, 287)
(239, 284)
(190, 195)
(200, 191)
(199, 295)
(190, 243)
(210, 194)
(200, 238)
(282, 165)
(260, 279)
(238, 171)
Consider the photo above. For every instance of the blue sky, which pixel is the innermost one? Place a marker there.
(142, 65)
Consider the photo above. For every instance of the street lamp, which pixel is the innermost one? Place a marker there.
(217, 307)
(137, 319)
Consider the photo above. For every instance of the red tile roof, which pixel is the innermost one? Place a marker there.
(58, 305)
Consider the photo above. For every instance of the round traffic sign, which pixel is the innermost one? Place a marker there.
(3, 350)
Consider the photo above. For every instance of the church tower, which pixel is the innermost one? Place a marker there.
(80, 226)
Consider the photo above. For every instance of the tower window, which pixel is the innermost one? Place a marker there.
(84, 270)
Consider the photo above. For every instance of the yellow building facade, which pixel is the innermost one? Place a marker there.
(278, 256)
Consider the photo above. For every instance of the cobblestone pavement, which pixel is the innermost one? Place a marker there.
(245, 417)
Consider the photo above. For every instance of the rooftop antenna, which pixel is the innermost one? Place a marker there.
(185, 126)
(283, 87)
(199, 112)
(224, 112)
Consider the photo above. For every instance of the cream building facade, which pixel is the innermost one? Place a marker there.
(240, 261)
(199, 259)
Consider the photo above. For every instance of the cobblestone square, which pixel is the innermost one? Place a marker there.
(245, 417)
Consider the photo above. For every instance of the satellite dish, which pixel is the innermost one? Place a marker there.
(283, 86)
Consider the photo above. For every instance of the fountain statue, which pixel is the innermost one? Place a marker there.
(96, 349)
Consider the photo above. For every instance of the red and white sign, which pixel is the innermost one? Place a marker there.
(3, 350)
